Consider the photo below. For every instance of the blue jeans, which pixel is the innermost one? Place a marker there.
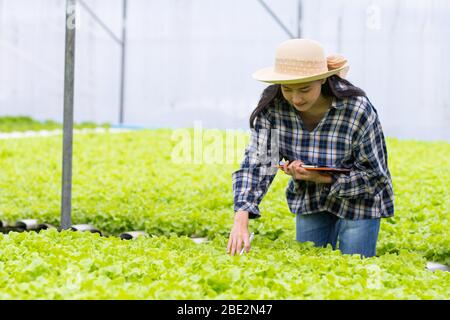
(351, 236)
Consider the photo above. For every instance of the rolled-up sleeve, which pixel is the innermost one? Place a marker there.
(370, 173)
(255, 175)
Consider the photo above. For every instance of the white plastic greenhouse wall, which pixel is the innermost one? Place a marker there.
(192, 60)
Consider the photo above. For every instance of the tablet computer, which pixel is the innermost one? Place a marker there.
(319, 168)
(330, 169)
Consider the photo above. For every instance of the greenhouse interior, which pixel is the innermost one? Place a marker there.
(141, 144)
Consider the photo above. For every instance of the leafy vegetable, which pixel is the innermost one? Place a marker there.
(24, 123)
(74, 265)
(129, 182)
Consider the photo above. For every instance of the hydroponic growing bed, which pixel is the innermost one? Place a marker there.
(128, 182)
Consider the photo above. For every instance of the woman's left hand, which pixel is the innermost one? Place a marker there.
(296, 170)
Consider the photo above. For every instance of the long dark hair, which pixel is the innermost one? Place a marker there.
(333, 86)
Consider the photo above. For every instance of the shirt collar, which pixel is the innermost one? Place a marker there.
(337, 103)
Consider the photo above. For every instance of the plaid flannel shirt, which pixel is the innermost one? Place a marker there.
(348, 136)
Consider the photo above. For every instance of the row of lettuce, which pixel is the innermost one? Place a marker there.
(74, 265)
(130, 182)
(134, 181)
(26, 123)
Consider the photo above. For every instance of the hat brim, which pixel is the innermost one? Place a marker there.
(269, 75)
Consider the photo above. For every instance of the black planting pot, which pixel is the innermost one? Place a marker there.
(27, 224)
(132, 235)
(8, 229)
(85, 227)
(5, 227)
(3, 224)
(45, 226)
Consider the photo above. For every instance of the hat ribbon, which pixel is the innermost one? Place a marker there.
(336, 61)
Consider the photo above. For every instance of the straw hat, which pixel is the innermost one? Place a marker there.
(302, 60)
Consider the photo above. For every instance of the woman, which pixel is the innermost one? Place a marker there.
(311, 115)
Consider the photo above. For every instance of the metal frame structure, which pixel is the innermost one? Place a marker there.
(120, 41)
(280, 23)
(69, 79)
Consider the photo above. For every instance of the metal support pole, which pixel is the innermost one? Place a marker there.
(277, 20)
(123, 61)
(69, 75)
(299, 20)
(121, 42)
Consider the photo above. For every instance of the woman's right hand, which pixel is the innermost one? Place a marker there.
(239, 234)
(289, 167)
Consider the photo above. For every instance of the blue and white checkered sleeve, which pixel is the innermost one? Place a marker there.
(252, 180)
(370, 173)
